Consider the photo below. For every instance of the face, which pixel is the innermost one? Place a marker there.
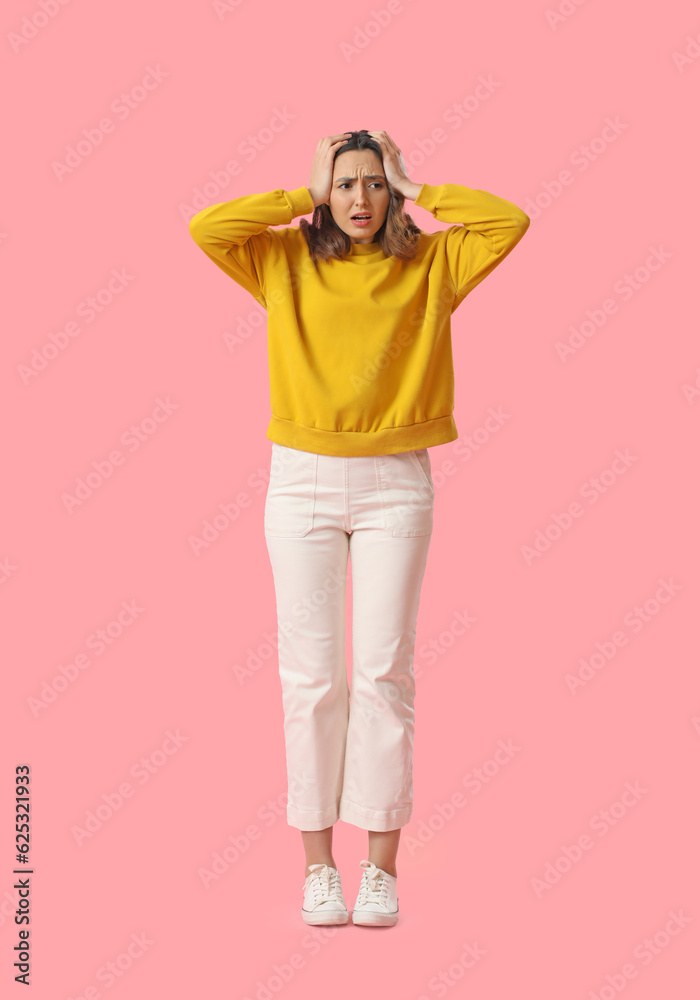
(359, 187)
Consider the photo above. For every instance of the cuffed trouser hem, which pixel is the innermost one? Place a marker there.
(311, 819)
(378, 820)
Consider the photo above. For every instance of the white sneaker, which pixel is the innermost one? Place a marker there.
(323, 897)
(377, 901)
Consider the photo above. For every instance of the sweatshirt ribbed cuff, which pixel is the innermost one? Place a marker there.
(300, 201)
(428, 197)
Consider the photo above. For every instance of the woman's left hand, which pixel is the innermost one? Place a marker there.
(394, 167)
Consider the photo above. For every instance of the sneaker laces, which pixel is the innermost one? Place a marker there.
(374, 887)
(325, 884)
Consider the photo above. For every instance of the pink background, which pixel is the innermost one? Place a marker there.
(474, 860)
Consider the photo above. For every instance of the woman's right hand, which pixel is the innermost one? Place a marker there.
(321, 180)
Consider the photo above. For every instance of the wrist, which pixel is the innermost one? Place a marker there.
(410, 190)
(315, 198)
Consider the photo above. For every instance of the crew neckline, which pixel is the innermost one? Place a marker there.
(366, 252)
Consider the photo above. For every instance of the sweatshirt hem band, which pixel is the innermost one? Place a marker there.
(387, 441)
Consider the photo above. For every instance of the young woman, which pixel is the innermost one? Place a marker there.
(361, 385)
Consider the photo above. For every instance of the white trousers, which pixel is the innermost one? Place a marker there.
(349, 749)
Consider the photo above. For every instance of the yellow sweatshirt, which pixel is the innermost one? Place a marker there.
(359, 349)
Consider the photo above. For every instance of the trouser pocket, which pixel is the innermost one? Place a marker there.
(407, 492)
(421, 459)
(291, 493)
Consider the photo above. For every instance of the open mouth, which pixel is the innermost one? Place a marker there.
(361, 220)
(364, 216)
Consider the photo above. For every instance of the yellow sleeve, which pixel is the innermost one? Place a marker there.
(236, 235)
(489, 229)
